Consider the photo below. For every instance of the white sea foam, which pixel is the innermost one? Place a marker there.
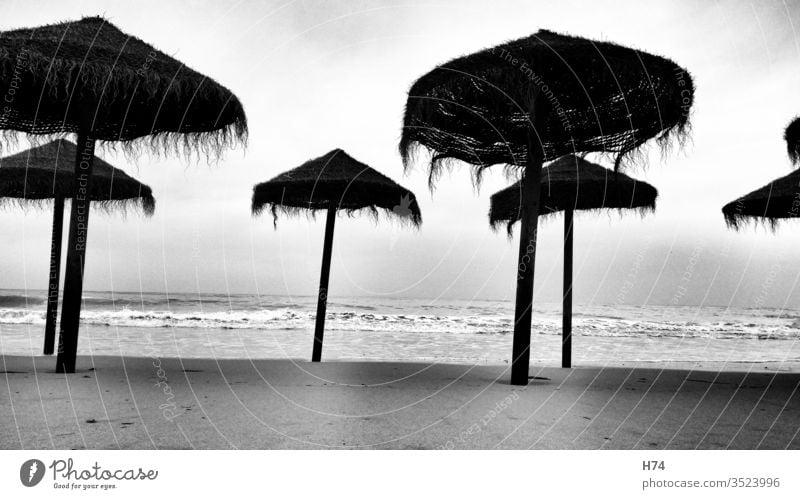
(289, 319)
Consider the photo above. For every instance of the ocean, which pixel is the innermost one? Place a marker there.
(387, 328)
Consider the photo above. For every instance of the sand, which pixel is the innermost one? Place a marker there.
(169, 403)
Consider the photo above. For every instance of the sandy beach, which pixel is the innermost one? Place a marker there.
(171, 403)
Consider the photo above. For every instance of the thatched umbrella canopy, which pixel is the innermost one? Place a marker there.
(335, 181)
(47, 172)
(536, 99)
(777, 201)
(89, 78)
(572, 183)
(62, 75)
(792, 137)
(602, 98)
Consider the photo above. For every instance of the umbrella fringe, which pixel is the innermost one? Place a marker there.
(641, 211)
(144, 201)
(740, 222)
(768, 205)
(668, 140)
(144, 205)
(192, 146)
(439, 165)
(276, 209)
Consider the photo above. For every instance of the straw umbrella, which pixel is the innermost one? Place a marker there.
(89, 78)
(533, 100)
(777, 201)
(333, 182)
(568, 184)
(47, 172)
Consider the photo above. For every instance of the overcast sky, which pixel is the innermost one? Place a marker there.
(316, 75)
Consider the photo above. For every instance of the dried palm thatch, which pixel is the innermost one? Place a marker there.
(771, 204)
(602, 98)
(792, 137)
(339, 180)
(47, 172)
(573, 183)
(52, 75)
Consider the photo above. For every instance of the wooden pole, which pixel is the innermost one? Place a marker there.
(566, 330)
(531, 194)
(55, 277)
(322, 298)
(76, 256)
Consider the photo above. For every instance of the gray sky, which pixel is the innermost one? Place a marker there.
(316, 75)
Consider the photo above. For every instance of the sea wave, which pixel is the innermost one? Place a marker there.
(293, 318)
(174, 302)
(20, 301)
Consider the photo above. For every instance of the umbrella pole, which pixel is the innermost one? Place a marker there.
(322, 297)
(566, 331)
(531, 194)
(55, 274)
(76, 256)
